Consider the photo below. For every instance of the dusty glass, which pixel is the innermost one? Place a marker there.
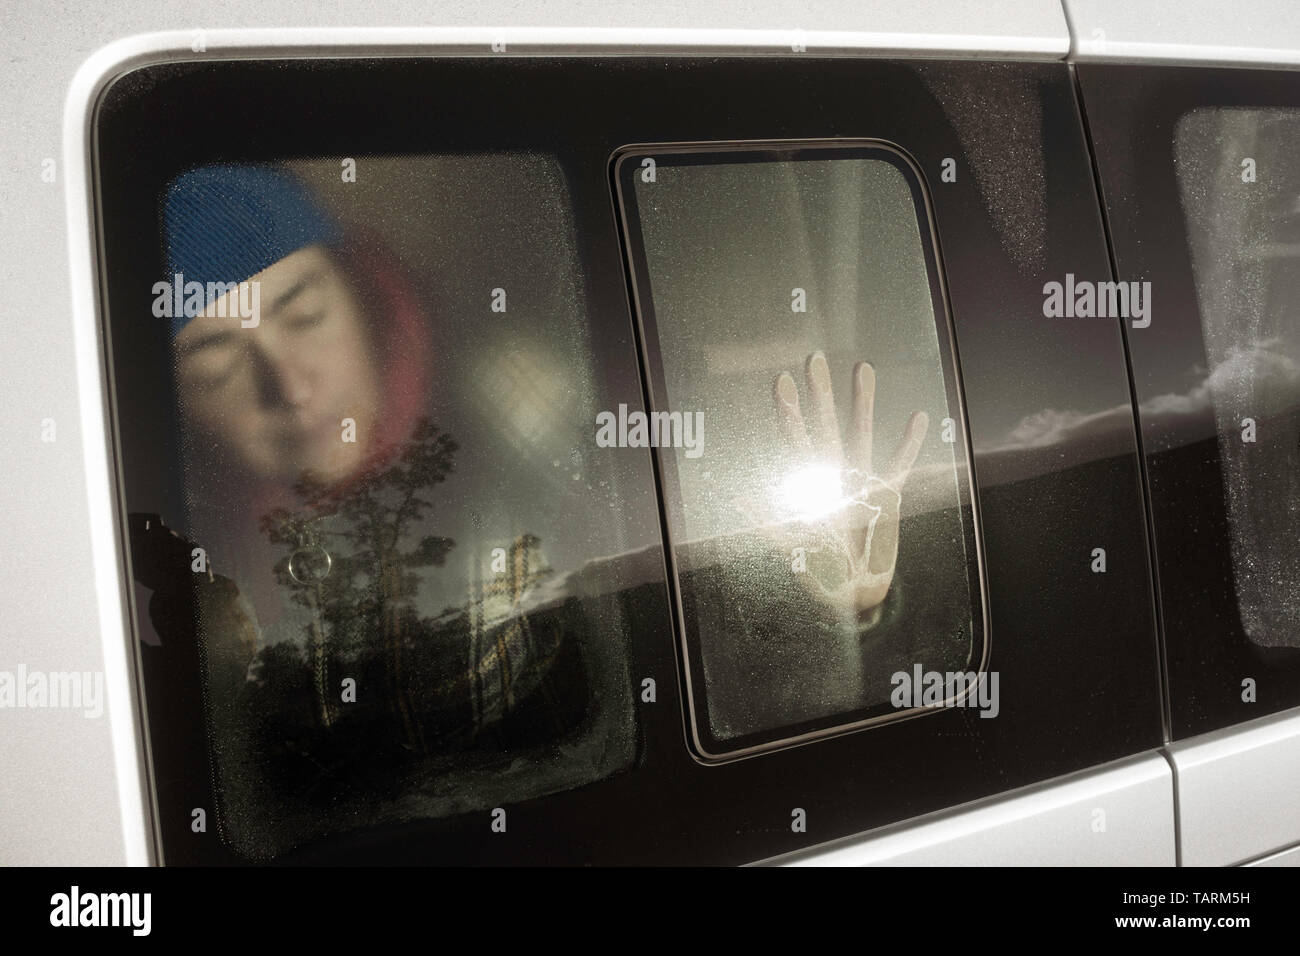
(1239, 184)
(412, 563)
(819, 510)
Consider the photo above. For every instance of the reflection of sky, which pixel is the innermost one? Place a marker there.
(1244, 249)
(1275, 375)
(1244, 241)
(1012, 222)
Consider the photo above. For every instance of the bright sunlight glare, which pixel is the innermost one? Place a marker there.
(812, 492)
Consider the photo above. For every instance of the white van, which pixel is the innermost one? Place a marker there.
(862, 435)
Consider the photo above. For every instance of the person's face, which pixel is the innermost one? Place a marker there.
(274, 396)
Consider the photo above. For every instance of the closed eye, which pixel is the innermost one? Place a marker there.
(210, 341)
(304, 321)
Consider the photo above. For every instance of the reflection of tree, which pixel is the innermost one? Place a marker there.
(485, 676)
(366, 595)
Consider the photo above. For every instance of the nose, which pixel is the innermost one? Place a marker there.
(282, 379)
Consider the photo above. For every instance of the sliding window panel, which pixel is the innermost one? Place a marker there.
(796, 602)
(1200, 178)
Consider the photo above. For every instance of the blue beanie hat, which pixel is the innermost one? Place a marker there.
(227, 223)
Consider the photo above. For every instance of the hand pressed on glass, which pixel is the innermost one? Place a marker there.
(834, 488)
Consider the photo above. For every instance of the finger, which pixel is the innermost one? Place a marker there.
(788, 416)
(884, 544)
(864, 401)
(825, 424)
(903, 459)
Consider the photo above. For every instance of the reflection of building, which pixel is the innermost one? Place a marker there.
(507, 658)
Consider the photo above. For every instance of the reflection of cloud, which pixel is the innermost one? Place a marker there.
(1249, 371)
(1172, 403)
(1107, 432)
(1050, 426)
(1259, 378)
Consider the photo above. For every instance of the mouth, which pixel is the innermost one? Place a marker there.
(321, 431)
(296, 437)
(312, 445)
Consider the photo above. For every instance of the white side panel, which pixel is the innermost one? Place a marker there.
(1258, 33)
(1289, 857)
(1239, 791)
(1117, 815)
